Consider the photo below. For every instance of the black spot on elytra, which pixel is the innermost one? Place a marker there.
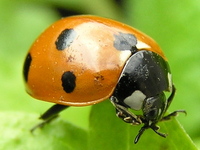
(125, 41)
(65, 39)
(68, 81)
(26, 67)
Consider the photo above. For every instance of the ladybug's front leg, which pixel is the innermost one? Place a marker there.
(123, 113)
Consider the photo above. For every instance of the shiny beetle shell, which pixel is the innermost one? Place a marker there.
(78, 60)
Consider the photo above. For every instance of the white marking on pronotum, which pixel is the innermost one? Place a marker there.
(159, 111)
(170, 81)
(142, 45)
(135, 100)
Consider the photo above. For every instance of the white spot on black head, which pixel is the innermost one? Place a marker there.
(135, 101)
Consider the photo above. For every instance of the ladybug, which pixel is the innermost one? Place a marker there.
(83, 60)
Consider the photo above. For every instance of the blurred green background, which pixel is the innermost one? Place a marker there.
(173, 24)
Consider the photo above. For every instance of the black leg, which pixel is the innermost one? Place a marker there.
(146, 126)
(173, 114)
(169, 100)
(49, 115)
(139, 134)
(123, 113)
(168, 117)
(53, 111)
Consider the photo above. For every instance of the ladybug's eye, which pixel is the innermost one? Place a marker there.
(150, 110)
(152, 114)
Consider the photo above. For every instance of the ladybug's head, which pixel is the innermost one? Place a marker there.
(153, 110)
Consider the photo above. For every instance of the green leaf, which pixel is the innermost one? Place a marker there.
(59, 134)
(106, 131)
(110, 133)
